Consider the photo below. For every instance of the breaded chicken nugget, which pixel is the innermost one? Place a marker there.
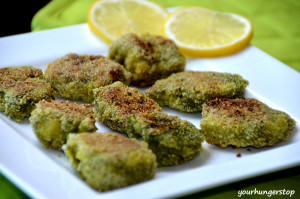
(109, 161)
(147, 57)
(115, 102)
(75, 76)
(244, 122)
(187, 91)
(52, 121)
(174, 141)
(20, 89)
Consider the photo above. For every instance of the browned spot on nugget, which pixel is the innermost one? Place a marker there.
(239, 108)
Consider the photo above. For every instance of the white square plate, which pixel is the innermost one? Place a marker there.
(45, 173)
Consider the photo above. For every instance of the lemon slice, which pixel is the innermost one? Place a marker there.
(200, 32)
(110, 19)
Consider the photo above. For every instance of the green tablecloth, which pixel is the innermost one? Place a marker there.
(276, 31)
(276, 22)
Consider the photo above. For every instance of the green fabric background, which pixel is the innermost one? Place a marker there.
(276, 22)
(276, 31)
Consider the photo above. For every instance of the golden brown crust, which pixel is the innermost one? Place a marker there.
(53, 120)
(129, 111)
(149, 47)
(21, 80)
(20, 72)
(187, 91)
(110, 143)
(65, 107)
(200, 81)
(115, 102)
(75, 76)
(174, 141)
(109, 161)
(237, 108)
(84, 67)
(147, 57)
(244, 122)
(129, 101)
(20, 89)
(28, 86)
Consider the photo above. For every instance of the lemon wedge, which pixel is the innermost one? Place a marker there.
(200, 32)
(110, 19)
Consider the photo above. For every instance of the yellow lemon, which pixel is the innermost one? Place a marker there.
(200, 32)
(110, 19)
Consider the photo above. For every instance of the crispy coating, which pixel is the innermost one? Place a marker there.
(75, 76)
(174, 141)
(129, 111)
(244, 122)
(20, 73)
(52, 121)
(20, 89)
(187, 91)
(115, 102)
(147, 57)
(109, 161)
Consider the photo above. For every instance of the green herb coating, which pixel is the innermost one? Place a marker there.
(187, 91)
(244, 122)
(109, 161)
(147, 57)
